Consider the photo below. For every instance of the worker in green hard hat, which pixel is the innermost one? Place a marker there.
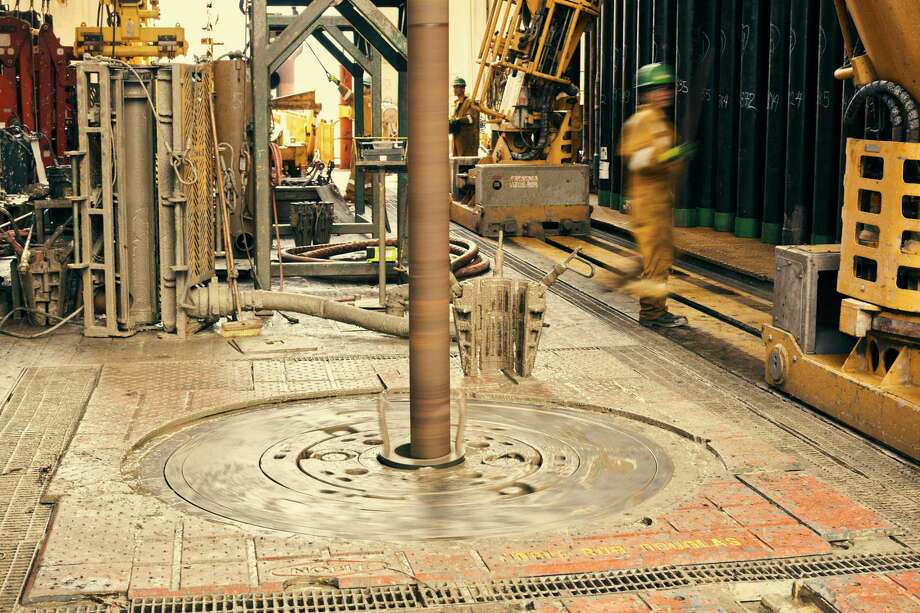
(655, 161)
(464, 123)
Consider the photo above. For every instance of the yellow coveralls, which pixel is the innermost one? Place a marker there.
(466, 142)
(650, 191)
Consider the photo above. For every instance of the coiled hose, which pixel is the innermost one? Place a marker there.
(466, 262)
(903, 113)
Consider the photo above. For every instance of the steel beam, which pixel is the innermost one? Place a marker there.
(261, 134)
(379, 31)
(335, 51)
(293, 36)
(277, 23)
(363, 59)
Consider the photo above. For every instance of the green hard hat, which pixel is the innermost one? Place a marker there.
(459, 82)
(655, 75)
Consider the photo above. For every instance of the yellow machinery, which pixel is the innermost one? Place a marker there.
(126, 34)
(530, 182)
(854, 353)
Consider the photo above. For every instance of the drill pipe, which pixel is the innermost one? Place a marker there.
(216, 301)
(429, 263)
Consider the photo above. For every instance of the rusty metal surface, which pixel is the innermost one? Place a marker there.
(429, 263)
(233, 101)
(303, 467)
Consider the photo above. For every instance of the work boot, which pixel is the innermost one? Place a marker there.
(668, 320)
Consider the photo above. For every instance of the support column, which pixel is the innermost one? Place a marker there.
(429, 178)
(261, 129)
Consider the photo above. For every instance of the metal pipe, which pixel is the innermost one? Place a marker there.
(752, 119)
(710, 41)
(381, 216)
(630, 67)
(825, 205)
(726, 136)
(800, 117)
(686, 67)
(778, 82)
(429, 264)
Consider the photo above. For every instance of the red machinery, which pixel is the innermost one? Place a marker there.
(17, 88)
(34, 66)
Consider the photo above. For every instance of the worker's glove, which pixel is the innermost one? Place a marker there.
(681, 152)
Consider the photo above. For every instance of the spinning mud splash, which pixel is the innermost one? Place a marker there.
(312, 467)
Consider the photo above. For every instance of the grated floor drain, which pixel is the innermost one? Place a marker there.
(666, 578)
(318, 601)
(91, 608)
(408, 597)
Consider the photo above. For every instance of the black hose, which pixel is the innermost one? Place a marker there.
(903, 112)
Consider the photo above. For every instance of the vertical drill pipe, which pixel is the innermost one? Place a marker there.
(775, 170)
(607, 63)
(617, 62)
(429, 263)
(800, 121)
(646, 32)
(727, 172)
(380, 216)
(753, 92)
(685, 212)
(709, 42)
(629, 51)
(825, 211)
(664, 37)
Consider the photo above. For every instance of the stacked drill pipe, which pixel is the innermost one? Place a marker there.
(767, 161)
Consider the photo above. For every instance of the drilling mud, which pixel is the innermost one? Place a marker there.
(304, 466)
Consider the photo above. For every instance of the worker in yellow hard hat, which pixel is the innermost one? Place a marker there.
(655, 162)
(464, 123)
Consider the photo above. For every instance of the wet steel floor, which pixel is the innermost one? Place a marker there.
(762, 487)
(303, 467)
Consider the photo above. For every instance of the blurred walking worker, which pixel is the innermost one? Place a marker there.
(655, 163)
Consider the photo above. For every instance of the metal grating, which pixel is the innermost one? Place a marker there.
(36, 423)
(666, 578)
(89, 608)
(391, 598)
(408, 597)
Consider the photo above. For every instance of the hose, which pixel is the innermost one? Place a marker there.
(467, 263)
(63, 320)
(903, 112)
(215, 300)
